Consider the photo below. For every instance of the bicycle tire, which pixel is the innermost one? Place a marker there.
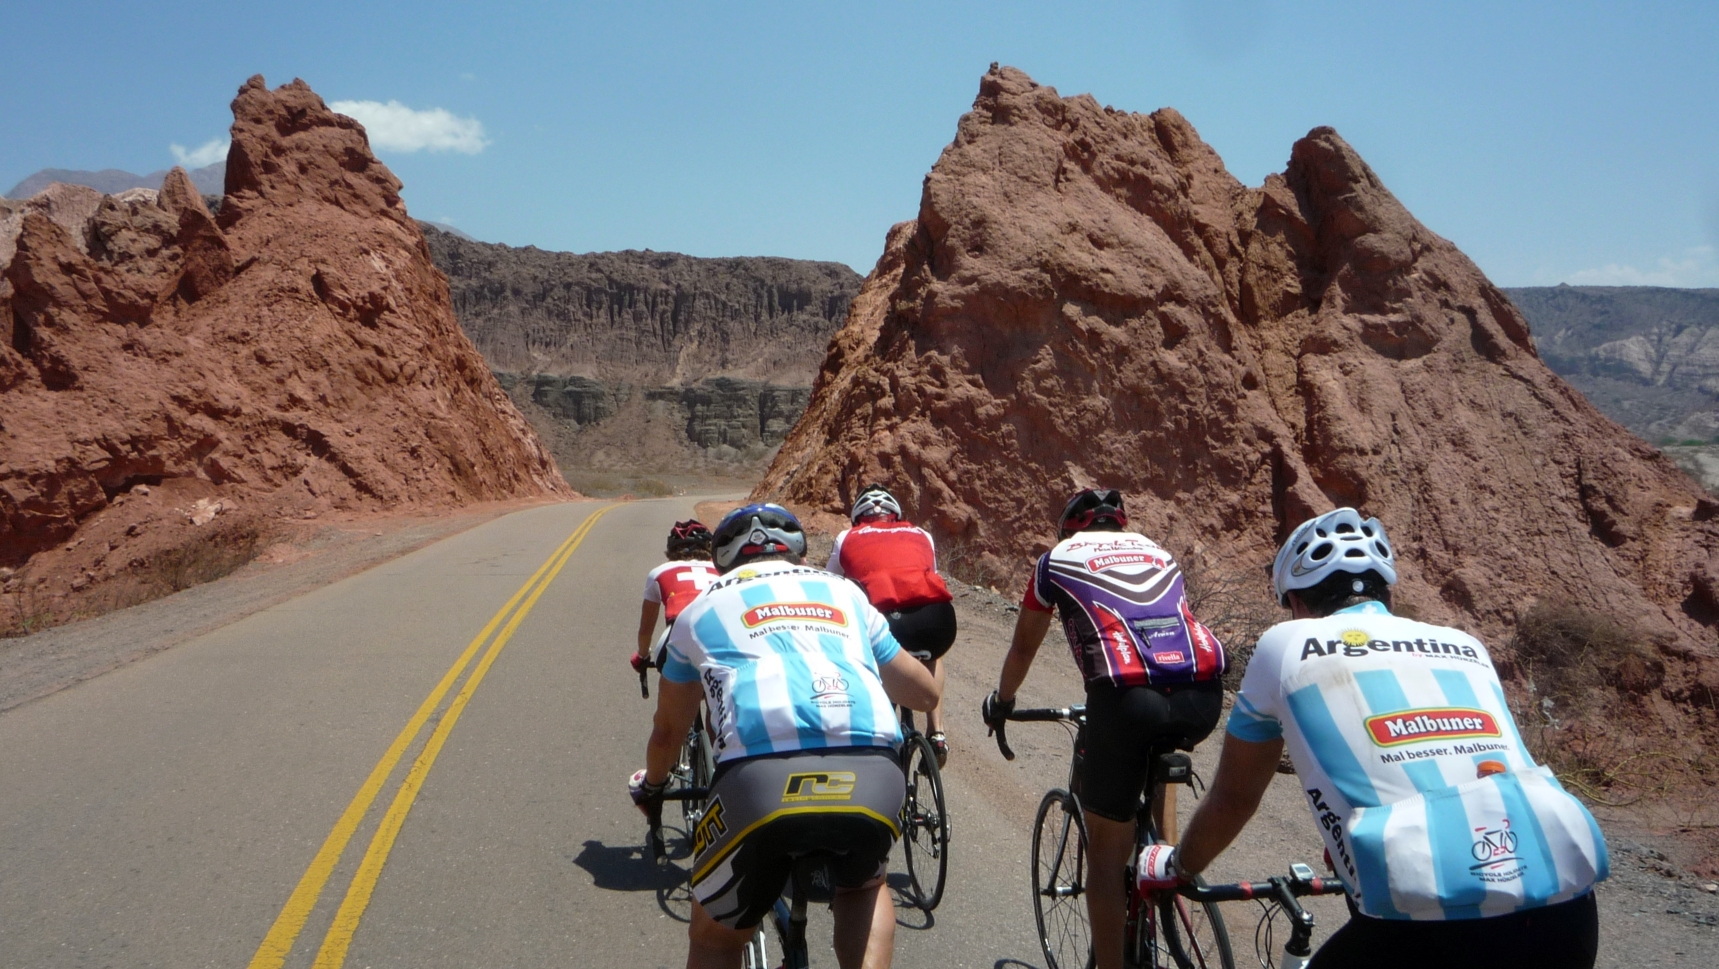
(756, 955)
(794, 954)
(1194, 934)
(1059, 860)
(695, 755)
(925, 825)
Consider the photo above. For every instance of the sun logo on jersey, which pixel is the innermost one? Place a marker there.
(1355, 637)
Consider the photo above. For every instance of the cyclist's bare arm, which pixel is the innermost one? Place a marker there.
(908, 682)
(647, 625)
(677, 708)
(1030, 629)
(1245, 769)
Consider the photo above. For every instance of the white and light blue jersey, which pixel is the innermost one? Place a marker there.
(1413, 767)
(788, 656)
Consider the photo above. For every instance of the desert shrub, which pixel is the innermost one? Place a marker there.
(1235, 604)
(652, 488)
(1579, 668)
(211, 552)
(965, 559)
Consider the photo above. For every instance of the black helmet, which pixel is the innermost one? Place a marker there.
(690, 536)
(755, 530)
(1088, 508)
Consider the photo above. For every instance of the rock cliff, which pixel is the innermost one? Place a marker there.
(298, 353)
(710, 361)
(1088, 297)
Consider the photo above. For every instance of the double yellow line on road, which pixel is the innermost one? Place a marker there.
(277, 945)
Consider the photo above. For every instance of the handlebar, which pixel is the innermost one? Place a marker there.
(644, 681)
(1068, 714)
(1272, 889)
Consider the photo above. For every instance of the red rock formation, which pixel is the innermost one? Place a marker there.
(1087, 297)
(300, 353)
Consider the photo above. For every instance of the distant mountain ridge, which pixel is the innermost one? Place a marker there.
(1646, 356)
(210, 180)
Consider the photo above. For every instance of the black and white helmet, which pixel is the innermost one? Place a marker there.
(754, 530)
(1337, 541)
(874, 499)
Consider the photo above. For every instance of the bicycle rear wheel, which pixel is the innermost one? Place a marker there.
(925, 825)
(1192, 934)
(1059, 882)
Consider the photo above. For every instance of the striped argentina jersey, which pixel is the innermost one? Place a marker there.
(788, 656)
(1428, 801)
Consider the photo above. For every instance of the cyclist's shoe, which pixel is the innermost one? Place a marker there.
(940, 747)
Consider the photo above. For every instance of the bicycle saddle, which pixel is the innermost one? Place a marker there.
(812, 877)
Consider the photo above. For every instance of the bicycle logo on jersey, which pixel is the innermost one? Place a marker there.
(1495, 846)
(832, 683)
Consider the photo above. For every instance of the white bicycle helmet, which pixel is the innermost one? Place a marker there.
(1337, 541)
(874, 500)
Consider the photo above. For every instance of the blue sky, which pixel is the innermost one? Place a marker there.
(1553, 142)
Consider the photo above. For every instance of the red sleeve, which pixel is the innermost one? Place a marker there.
(1031, 600)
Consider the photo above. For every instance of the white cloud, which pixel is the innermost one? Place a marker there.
(1694, 267)
(395, 127)
(208, 153)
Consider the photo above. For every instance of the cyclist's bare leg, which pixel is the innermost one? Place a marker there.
(1106, 900)
(865, 926)
(714, 945)
(934, 719)
(1164, 812)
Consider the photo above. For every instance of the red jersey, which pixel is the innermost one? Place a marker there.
(674, 584)
(895, 562)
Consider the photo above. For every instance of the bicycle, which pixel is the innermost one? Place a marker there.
(692, 771)
(924, 817)
(1161, 930)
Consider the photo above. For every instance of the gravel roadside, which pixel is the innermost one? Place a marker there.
(35, 666)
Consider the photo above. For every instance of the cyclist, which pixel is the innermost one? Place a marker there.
(673, 584)
(1152, 680)
(896, 564)
(799, 674)
(1455, 847)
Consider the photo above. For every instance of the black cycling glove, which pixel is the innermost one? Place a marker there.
(996, 711)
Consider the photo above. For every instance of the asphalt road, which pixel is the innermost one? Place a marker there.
(169, 812)
(424, 765)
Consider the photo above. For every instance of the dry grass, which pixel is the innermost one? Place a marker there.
(1586, 678)
(965, 560)
(1236, 605)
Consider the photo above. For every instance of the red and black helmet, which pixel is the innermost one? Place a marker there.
(690, 536)
(1090, 507)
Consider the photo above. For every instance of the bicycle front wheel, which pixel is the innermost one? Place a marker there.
(695, 767)
(756, 955)
(1193, 934)
(1059, 882)
(925, 825)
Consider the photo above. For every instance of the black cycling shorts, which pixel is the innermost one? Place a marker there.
(1563, 936)
(1124, 725)
(925, 631)
(765, 811)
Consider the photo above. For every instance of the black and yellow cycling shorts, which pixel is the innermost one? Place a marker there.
(766, 811)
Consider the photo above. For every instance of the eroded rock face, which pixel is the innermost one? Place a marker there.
(300, 353)
(1088, 297)
(618, 345)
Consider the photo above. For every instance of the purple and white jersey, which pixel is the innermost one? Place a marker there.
(1124, 610)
